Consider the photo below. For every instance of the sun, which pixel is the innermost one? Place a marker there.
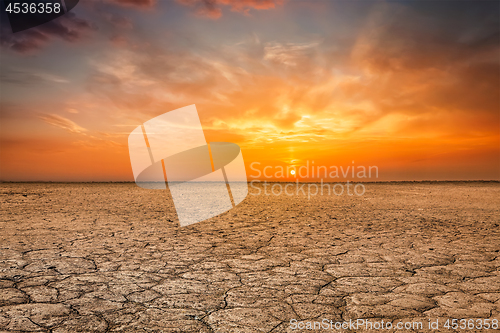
(292, 172)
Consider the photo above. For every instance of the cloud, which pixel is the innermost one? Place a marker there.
(141, 4)
(289, 54)
(430, 74)
(284, 91)
(61, 122)
(244, 89)
(242, 5)
(397, 78)
(213, 8)
(118, 21)
(33, 77)
(68, 27)
(394, 38)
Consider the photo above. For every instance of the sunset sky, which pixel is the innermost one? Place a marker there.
(412, 87)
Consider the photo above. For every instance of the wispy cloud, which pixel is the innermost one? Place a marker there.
(288, 54)
(136, 3)
(213, 8)
(61, 122)
(23, 77)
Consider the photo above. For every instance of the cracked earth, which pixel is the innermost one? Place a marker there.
(112, 258)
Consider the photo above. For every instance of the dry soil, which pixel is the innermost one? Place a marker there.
(112, 258)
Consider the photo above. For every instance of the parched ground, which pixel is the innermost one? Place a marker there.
(111, 258)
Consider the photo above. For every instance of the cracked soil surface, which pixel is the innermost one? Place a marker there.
(112, 258)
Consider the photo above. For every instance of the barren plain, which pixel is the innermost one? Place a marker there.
(110, 257)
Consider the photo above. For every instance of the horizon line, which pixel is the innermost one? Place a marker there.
(255, 180)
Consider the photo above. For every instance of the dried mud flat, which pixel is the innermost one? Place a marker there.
(111, 258)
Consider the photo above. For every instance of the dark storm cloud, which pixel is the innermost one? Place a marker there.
(68, 27)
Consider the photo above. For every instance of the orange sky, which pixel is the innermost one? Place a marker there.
(410, 87)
